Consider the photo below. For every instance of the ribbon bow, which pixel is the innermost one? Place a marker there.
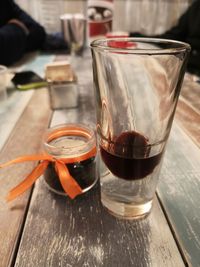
(69, 184)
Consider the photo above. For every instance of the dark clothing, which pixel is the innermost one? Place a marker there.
(14, 41)
(186, 30)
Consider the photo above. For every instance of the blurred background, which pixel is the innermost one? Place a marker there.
(145, 16)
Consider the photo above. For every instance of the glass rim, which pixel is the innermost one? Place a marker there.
(102, 45)
(90, 140)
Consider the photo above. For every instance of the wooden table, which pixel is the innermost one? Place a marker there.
(42, 229)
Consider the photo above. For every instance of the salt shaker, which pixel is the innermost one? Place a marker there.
(63, 85)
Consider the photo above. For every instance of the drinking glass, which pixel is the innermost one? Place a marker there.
(74, 32)
(100, 17)
(137, 83)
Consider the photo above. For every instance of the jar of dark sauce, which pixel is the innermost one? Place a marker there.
(74, 144)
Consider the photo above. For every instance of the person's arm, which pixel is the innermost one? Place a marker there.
(20, 24)
(13, 41)
(180, 30)
(36, 36)
(19, 33)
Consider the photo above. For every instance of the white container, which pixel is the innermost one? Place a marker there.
(63, 86)
(63, 94)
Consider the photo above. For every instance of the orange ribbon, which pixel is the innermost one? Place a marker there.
(70, 186)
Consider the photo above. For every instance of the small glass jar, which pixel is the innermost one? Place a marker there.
(71, 141)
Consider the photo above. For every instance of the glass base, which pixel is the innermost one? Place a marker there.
(126, 210)
(61, 193)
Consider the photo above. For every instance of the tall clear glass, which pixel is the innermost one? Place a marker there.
(137, 83)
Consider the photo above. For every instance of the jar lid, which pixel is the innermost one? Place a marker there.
(59, 71)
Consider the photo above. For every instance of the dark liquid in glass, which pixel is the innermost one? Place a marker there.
(128, 156)
(84, 172)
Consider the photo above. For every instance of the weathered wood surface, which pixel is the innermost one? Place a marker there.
(179, 191)
(179, 187)
(24, 139)
(188, 109)
(60, 232)
(17, 101)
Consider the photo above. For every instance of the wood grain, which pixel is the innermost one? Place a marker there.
(179, 188)
(17, 100)
(189, 119)
(61, 232)
(188, 110)
(16, 103)
(190, 91)
(25, 139)
(179, 191)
